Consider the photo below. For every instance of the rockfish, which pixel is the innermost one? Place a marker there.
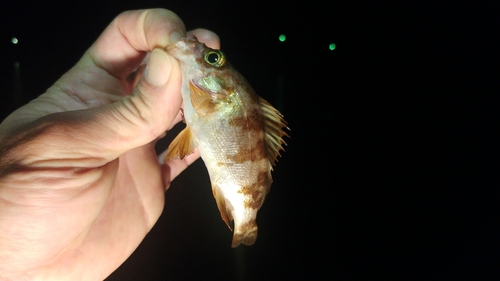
(239, 135)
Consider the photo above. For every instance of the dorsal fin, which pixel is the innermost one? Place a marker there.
(273, 126)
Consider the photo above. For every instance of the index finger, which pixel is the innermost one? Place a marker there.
(123, 45)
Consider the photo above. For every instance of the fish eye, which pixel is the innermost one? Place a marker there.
(215, 58)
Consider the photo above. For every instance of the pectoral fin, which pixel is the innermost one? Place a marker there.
(181, 146)
(201, 100)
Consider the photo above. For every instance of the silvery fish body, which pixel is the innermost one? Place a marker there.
(238, 134)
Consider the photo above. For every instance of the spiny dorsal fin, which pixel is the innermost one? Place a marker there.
(273, 126)
(181, 146)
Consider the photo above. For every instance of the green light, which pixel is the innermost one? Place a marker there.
(282, 38)
(332, 46)
(14, 40)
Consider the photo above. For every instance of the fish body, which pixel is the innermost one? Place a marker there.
(238, 134)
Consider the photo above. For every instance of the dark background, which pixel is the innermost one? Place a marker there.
(392, 168)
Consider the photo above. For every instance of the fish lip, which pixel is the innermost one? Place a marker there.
(189, 44)
(169, 48)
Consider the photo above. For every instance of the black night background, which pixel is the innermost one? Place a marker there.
(392, 170)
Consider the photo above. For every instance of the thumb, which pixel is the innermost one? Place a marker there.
(153, 105)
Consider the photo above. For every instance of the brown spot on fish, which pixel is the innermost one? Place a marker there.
(245, 153)
(257, 190)
(251, 122)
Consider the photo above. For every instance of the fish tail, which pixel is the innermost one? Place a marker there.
(245, 235)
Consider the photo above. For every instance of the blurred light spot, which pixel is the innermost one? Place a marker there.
(282, 38)
(17, 65)
(332, 46)
(14, 40)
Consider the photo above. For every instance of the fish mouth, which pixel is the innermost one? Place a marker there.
(185, 45)
(190, 38)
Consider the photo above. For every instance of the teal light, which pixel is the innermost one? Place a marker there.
(282, 38)
(14, 40)
(332, 46)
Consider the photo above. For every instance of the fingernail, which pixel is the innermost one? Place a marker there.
(158, 69)
(175, 37)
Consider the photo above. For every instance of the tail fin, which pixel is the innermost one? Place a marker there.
(246, 235)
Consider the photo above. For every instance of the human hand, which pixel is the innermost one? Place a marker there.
(80, 181)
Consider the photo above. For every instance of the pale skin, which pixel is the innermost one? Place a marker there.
(80, 181)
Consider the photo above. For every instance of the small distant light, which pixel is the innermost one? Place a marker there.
(332, 46)
(14, 40)
(282, 38)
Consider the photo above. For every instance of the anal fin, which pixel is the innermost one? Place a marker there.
(225, 213)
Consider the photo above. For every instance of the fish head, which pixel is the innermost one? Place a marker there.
(204, 67)
(193, 52)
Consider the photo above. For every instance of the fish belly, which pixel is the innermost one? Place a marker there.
(240, 181)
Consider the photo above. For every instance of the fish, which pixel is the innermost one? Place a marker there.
(239, 135)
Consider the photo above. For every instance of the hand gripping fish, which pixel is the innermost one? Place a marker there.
(238, 134)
